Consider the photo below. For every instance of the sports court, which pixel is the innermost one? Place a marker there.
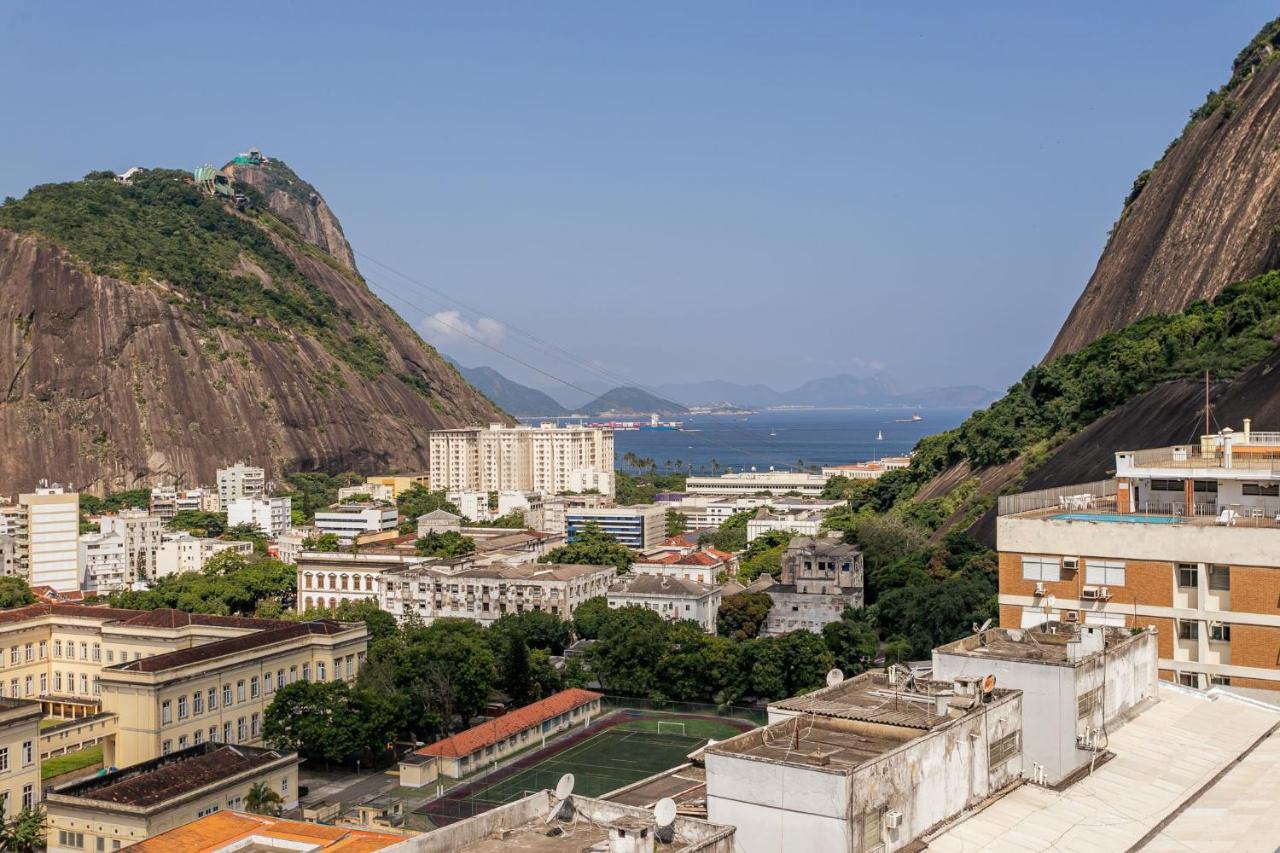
(626, 747)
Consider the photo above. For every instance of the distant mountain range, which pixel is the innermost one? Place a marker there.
(831, 391)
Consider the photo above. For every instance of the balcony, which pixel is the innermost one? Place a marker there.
(1097, 502)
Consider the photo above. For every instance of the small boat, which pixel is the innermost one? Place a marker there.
(880, 435)
(773, 433)
(911, 420)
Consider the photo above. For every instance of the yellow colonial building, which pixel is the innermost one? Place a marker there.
(125, 807)
(19, 756)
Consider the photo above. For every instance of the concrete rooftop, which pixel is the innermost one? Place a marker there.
(1176, 761)
(1047, 644)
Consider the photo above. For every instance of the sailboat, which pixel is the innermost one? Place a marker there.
(879, 435)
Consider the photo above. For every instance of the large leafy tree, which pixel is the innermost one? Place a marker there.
(24, 833)
(316, 719)
(764, 554)
(14, 592)
(852, 641)
(448, 543)
(589, 616)
(446, 669)
(631, 642)
(591, 547)
(199, 522)
(415, 501)
(731, 535)
(326, 543)
(741, 616)
(229, 583)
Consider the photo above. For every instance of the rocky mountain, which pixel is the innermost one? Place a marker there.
(520, 400)
(151, 332)
(628, 402)
(1204, 216)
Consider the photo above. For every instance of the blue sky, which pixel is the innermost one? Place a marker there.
(670, 191)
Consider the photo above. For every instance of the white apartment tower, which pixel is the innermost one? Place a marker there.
(273, 516)
(47, 539)
(140, 532)
(240, 481)
(545, 458)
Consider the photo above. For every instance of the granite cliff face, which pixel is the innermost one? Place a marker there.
(132, 378)
(1206, 215)
(298, 203)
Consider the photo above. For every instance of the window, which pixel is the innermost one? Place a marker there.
(337, 669)
(111, 656)
(166, 747)
(226, 694)
(28, 796)
(1220, 578)
(1188, 575)
(13, 655)
(182, 741)
(280, 678)
(166, 712)
(284, 785)
(1209, 486)
(255, 687)
(197, 703)
(57, 682)
(84, 683)
(44, 683)
(198, 737)
(44, 649)
(213, 733)
(1041, 569)
(29, 652)
(4, 758)
(13, 688)
(1189, 679)
(28, 686)
(240, 730)
(1103, 573)
(320, 671)
(97, 686)
(293, 674)
(28, 753)
(1261, 490)
(1002, 749)
(1219, 633)
(872, 831)
(213, 698)
(97, 651)
(57, 648)
(182, 708)
(71, 839)
(84, 651)
(1188, 629)
(240, 690)
(207, 811)
(226, 732)
(255, 725)
(1221, 680)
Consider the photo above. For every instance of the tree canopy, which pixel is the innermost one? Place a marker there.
(448, 543)
(591, 547)
(14, 592)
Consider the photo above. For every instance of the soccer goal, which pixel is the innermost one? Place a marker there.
(665, 727)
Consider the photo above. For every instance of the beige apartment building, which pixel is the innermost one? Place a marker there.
(545, 458)
(141, 532)
(47, 538)
(127, 806)
(79, 661)
(19, 756)
(1184, 538)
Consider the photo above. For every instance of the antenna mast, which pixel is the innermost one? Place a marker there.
(1206, 403)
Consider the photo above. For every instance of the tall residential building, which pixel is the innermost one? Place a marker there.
(641, 526)
(1185, 538)
(47, 540)
(103, 563)
(273, 516)
(181, 552)
(240, 481)
(349, 520)
(140, 532)
(545, 458)
(167, 501)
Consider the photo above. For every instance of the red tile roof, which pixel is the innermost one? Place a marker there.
(490, 733)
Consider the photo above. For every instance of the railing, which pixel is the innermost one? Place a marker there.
(1100, 494)
(1242, 458)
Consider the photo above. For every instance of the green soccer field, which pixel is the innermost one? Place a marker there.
(608, 760)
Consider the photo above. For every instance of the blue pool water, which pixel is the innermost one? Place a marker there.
(1133, 519)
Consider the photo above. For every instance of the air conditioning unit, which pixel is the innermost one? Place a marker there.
(1105, 592)
(1072, 616)
(1091, 592)
(892, 819)
(1040, 590)
(1070, 564)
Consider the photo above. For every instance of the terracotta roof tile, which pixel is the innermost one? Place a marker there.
(216, 831)
(487, 734)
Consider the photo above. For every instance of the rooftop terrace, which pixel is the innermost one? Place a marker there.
(1052, 643)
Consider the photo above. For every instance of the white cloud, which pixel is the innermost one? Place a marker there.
(452, 326)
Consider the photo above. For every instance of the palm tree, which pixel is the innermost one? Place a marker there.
(25, 833)
(261, 799)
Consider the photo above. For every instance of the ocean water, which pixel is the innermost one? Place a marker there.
(778, 439)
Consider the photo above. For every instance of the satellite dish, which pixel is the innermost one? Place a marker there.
(978, 629)
(665, 811)
(834, 677)
(564, 787)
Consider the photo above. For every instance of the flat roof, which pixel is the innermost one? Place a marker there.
(235, 831)
(1046, 644)
(870, 698)
(1194, 771)
(821, 742)
(173, 775)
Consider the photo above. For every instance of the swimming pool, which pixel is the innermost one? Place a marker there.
(1127, 517)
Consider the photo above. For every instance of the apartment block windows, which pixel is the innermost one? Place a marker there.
(1188, 575)
(44, 649)
(166, 712)
(197, 702)
(1220, 578)
(166, 747)
(1267, 490)
(29, 652)
(84, 684)
(254, 687)
(1219, 632)
(240, 730)
(240, 690)
(213, 700)
(1188, 629)
(182, 707)
(226, 694)
(28, 796)
(1103, 573)
(226, 732)
(28, 753)
(1041, 569)
(57, 648)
